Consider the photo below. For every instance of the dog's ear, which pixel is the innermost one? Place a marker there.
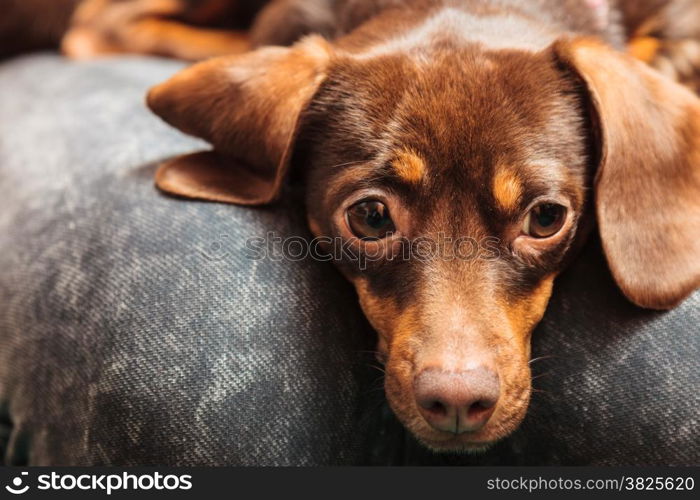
(647, 187)
(248, 107)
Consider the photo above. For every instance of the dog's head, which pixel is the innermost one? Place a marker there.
(466, 178)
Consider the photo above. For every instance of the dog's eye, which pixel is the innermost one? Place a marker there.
(544, 220)
(370, 220)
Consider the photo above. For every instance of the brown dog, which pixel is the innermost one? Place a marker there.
(509, 121)
(514, 124)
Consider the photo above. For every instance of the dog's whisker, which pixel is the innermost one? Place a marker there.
(376, 386)
(347, 164)
(378, 368)
(541, 358)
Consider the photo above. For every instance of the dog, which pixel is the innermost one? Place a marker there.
(522, 124)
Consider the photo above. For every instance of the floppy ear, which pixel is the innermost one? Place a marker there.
(247, 106)
(647, 188)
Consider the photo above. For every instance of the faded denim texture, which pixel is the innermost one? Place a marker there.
(135, 330)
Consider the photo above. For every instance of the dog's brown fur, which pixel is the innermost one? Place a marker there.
(458, 115)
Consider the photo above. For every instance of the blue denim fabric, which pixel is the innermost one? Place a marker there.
(135, 328)
(127, 335)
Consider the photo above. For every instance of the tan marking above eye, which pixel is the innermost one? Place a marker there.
(507, 189)
(409, 166)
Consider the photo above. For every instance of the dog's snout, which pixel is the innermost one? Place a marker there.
(457, 402)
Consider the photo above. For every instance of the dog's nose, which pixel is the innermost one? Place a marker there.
(457, 402)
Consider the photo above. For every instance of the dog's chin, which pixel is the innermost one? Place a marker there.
(468, 443)
(456, 447)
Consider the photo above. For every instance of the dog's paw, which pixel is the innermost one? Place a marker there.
(84, 43)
